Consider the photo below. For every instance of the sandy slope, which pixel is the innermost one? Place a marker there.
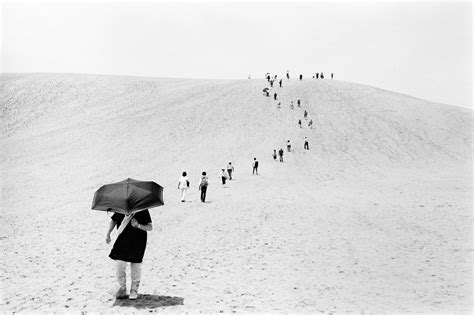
(376, 216)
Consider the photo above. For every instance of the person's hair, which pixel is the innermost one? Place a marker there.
(254, 158)
(184, 173)
(204, 173)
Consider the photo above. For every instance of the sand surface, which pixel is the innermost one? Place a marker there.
(375, 217)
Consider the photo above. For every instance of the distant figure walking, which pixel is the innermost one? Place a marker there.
(203, 183)
(223, 175)
(271, 83)
(310, 124)
(306, 143)
(287, 74)
(332, 75)
(275, 96)
(301, 77)
(255, 166)
(268, 76)
(274, 155)
(279, 105)
(230, 169)
(183, 185)
(299, 122)
(288, 146)
(299, 103)
(305, 114)
(322, 75)
(281, 81)
(317, 75)
(280, 153)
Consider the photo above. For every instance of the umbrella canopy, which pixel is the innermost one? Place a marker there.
(128, 196)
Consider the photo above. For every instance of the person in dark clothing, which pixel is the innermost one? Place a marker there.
(301, 77)
(255, 166)
(317, 75)
(230, 169)
(306, 143)
(281, 81)
(305, 114)
(203, 183)
(287, 74)
(271, 83)
(280, 153)
(274, 155)
(322, 75)
(275, 96)
(299, 103)
(129, 247)
(332, 75)
(310, 124)
(299, 122)
(267, 93)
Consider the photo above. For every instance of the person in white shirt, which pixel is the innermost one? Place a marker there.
(183, 185)
(223, 175)
(230, 169)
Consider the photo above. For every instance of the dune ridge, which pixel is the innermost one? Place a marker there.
(374, 217)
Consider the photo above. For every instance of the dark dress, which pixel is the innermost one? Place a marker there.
(131, 243)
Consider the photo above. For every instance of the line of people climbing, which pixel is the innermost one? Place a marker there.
(224, 175)
(272, 79)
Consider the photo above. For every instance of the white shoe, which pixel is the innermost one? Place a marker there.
(133, 295)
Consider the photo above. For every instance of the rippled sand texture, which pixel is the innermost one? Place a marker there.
(376, 216)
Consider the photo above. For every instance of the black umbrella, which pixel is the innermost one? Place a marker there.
(128, 196)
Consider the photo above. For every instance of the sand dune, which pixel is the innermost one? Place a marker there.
(376, 216)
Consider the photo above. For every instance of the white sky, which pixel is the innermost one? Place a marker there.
(418, 48)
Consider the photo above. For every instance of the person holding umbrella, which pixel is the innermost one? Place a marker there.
(130, 200)
(129, 248)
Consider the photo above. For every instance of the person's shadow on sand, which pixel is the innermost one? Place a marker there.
(147, 301)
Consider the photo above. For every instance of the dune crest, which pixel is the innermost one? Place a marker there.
(374, 217)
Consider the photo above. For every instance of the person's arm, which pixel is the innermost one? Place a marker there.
(142, 227)
(110, 229)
